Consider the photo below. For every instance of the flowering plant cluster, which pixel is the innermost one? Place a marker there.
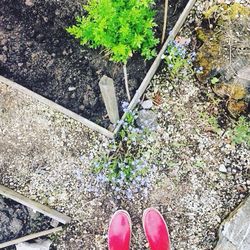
(177, 58)
(126, 169)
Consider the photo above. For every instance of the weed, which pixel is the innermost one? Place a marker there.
(214, 80)
(199, 163)
(240, 133)
(212, 122)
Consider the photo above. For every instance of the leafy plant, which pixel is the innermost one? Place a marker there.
(126, 168)
(240, 133)
(214, 80)
(120, 27)
(177, 59)
(212, 122)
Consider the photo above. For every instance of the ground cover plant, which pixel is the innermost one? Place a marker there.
(240, 133)
(179, 60)
(120, 28)
(125, 168)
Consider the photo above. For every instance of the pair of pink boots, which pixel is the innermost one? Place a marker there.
(154, 225)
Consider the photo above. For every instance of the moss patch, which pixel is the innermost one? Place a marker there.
(220, 49)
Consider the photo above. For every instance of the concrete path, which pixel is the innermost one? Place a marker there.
(235, 230)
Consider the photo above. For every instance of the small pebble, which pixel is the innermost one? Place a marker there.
(71, 88)
(222, 169)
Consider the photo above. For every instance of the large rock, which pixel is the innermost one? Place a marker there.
(234, 232)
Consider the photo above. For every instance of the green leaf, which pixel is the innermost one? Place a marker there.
(214, 80)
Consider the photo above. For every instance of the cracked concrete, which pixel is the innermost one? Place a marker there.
(235, 230)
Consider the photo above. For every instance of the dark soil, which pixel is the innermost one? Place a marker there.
(37, 53)
(17, 221)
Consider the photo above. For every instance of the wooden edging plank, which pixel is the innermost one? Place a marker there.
(57, 107)
(34, 205)
(157, 61)
(30, 237)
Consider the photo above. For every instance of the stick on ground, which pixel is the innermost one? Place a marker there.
(157, 61)
(126, 80)
(165, 22)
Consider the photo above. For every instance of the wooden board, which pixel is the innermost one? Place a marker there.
(34, 205)
(57, 107)
(30, 237)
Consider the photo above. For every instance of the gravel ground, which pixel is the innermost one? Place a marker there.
(202, 177)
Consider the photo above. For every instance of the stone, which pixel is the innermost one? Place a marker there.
(234, 233)
(148, 104)
(222, 169)
(16, 225)
(3, 58)
(81, 107)
(71, 88)
(226, 245)
(147, 119)
(54, 223)
(38, 245)
(244, 76)
(29, 3)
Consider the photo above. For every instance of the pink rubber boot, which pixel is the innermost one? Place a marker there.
(119, 233)
(156, 230)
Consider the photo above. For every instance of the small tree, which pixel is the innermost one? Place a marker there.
(121, 27)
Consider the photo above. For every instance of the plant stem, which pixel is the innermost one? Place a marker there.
(126, 80)
(165, 21)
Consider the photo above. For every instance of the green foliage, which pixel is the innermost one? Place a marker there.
(212, 122)
(177, 59)
(240, 133)
(120, 27)
(214, 80)
(125, 153)
(126, 167)
(199, 163)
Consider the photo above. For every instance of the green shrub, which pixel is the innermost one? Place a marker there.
(120, 27)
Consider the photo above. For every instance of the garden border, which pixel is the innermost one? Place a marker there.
(134, 100)
(8, 193)
(59, 217)
(30, 237)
